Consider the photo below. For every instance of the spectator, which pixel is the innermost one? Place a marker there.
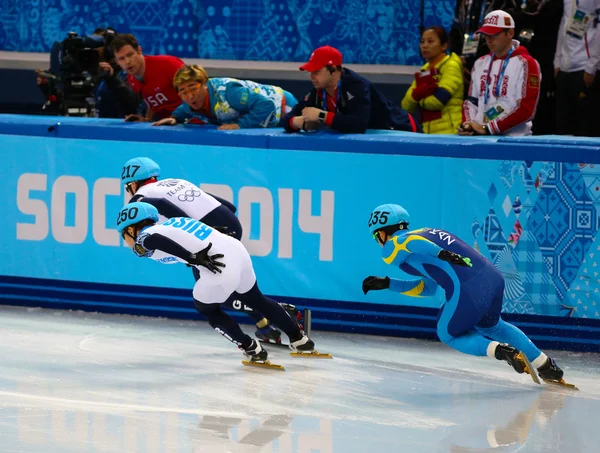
(540, 22)
(114, 97)
(152, 76)
(468, 18)
(438, 89)
(229, 103)
(576, 63)
(505, 84)
(343, 100)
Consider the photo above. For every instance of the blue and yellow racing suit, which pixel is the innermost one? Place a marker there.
(470, 317)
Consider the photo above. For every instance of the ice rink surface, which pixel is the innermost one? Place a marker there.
(82, 382)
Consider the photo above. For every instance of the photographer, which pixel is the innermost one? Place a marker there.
(150, 76)
(114, 97)
(82, 81)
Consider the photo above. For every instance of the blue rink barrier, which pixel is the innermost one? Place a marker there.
(530, 204)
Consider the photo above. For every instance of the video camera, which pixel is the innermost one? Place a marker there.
(75, 72)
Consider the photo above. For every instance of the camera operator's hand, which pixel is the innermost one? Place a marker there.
(106, 67)
(165, 122)
(41, 80)
(134, 117)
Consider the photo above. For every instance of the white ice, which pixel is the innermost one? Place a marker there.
(82, 382)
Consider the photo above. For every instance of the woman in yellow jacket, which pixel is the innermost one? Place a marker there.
(438, 89)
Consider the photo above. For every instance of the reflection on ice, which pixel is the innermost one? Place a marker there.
(80, 382)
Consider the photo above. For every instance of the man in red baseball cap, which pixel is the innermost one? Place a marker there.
(344, 101)
(505, 84)
(323, 56)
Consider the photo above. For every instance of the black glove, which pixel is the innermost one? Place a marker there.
(454, 258)
(375, 283)
(224, 230)
(202, 258)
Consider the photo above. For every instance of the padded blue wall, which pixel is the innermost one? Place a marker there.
(366, 31)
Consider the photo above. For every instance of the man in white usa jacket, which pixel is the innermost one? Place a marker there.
(505, 84)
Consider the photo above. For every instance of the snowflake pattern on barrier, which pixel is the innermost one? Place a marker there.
(564, 222)
(366, 31)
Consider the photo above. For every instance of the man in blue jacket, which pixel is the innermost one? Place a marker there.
(343, 100)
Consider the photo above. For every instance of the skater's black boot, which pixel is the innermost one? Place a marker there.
(302, 344)
(550, 371)
(510, 355)
(255, 352)
(269, 334)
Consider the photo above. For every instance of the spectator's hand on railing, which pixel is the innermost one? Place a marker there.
(228, 127)
(471, 128)
(165, 122)
(298, 122)
(311, 113)
(134, 117)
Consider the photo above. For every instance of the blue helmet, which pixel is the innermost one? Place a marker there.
(133, 213)
(387, 215)
(139, 169)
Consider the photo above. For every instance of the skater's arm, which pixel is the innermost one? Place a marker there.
(416, 288)
(147, 243)
(150, 242)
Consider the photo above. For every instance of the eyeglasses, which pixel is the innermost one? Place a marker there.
(129, 188)
(190, 90)
(377, 238)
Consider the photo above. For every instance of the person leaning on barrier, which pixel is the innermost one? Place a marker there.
(437, 91)
(228, 103)
(114, 97)
(343, 101)
(505, 85)
(152, 76)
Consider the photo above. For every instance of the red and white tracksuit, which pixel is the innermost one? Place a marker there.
(512, 94)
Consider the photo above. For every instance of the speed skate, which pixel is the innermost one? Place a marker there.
(263, 364)
(531, 371)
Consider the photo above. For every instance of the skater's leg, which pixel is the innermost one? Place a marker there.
(259, 319)
(494, 327)
(504, 332)
(223, 323)
(255, 299)
(459, 316)
(249, 293)
(213, 290)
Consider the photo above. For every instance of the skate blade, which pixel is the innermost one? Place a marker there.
(313, 354)
(265, 364)
(529, 368)
(562, 383)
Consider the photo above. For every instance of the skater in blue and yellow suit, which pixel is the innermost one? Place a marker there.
(469, 320)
